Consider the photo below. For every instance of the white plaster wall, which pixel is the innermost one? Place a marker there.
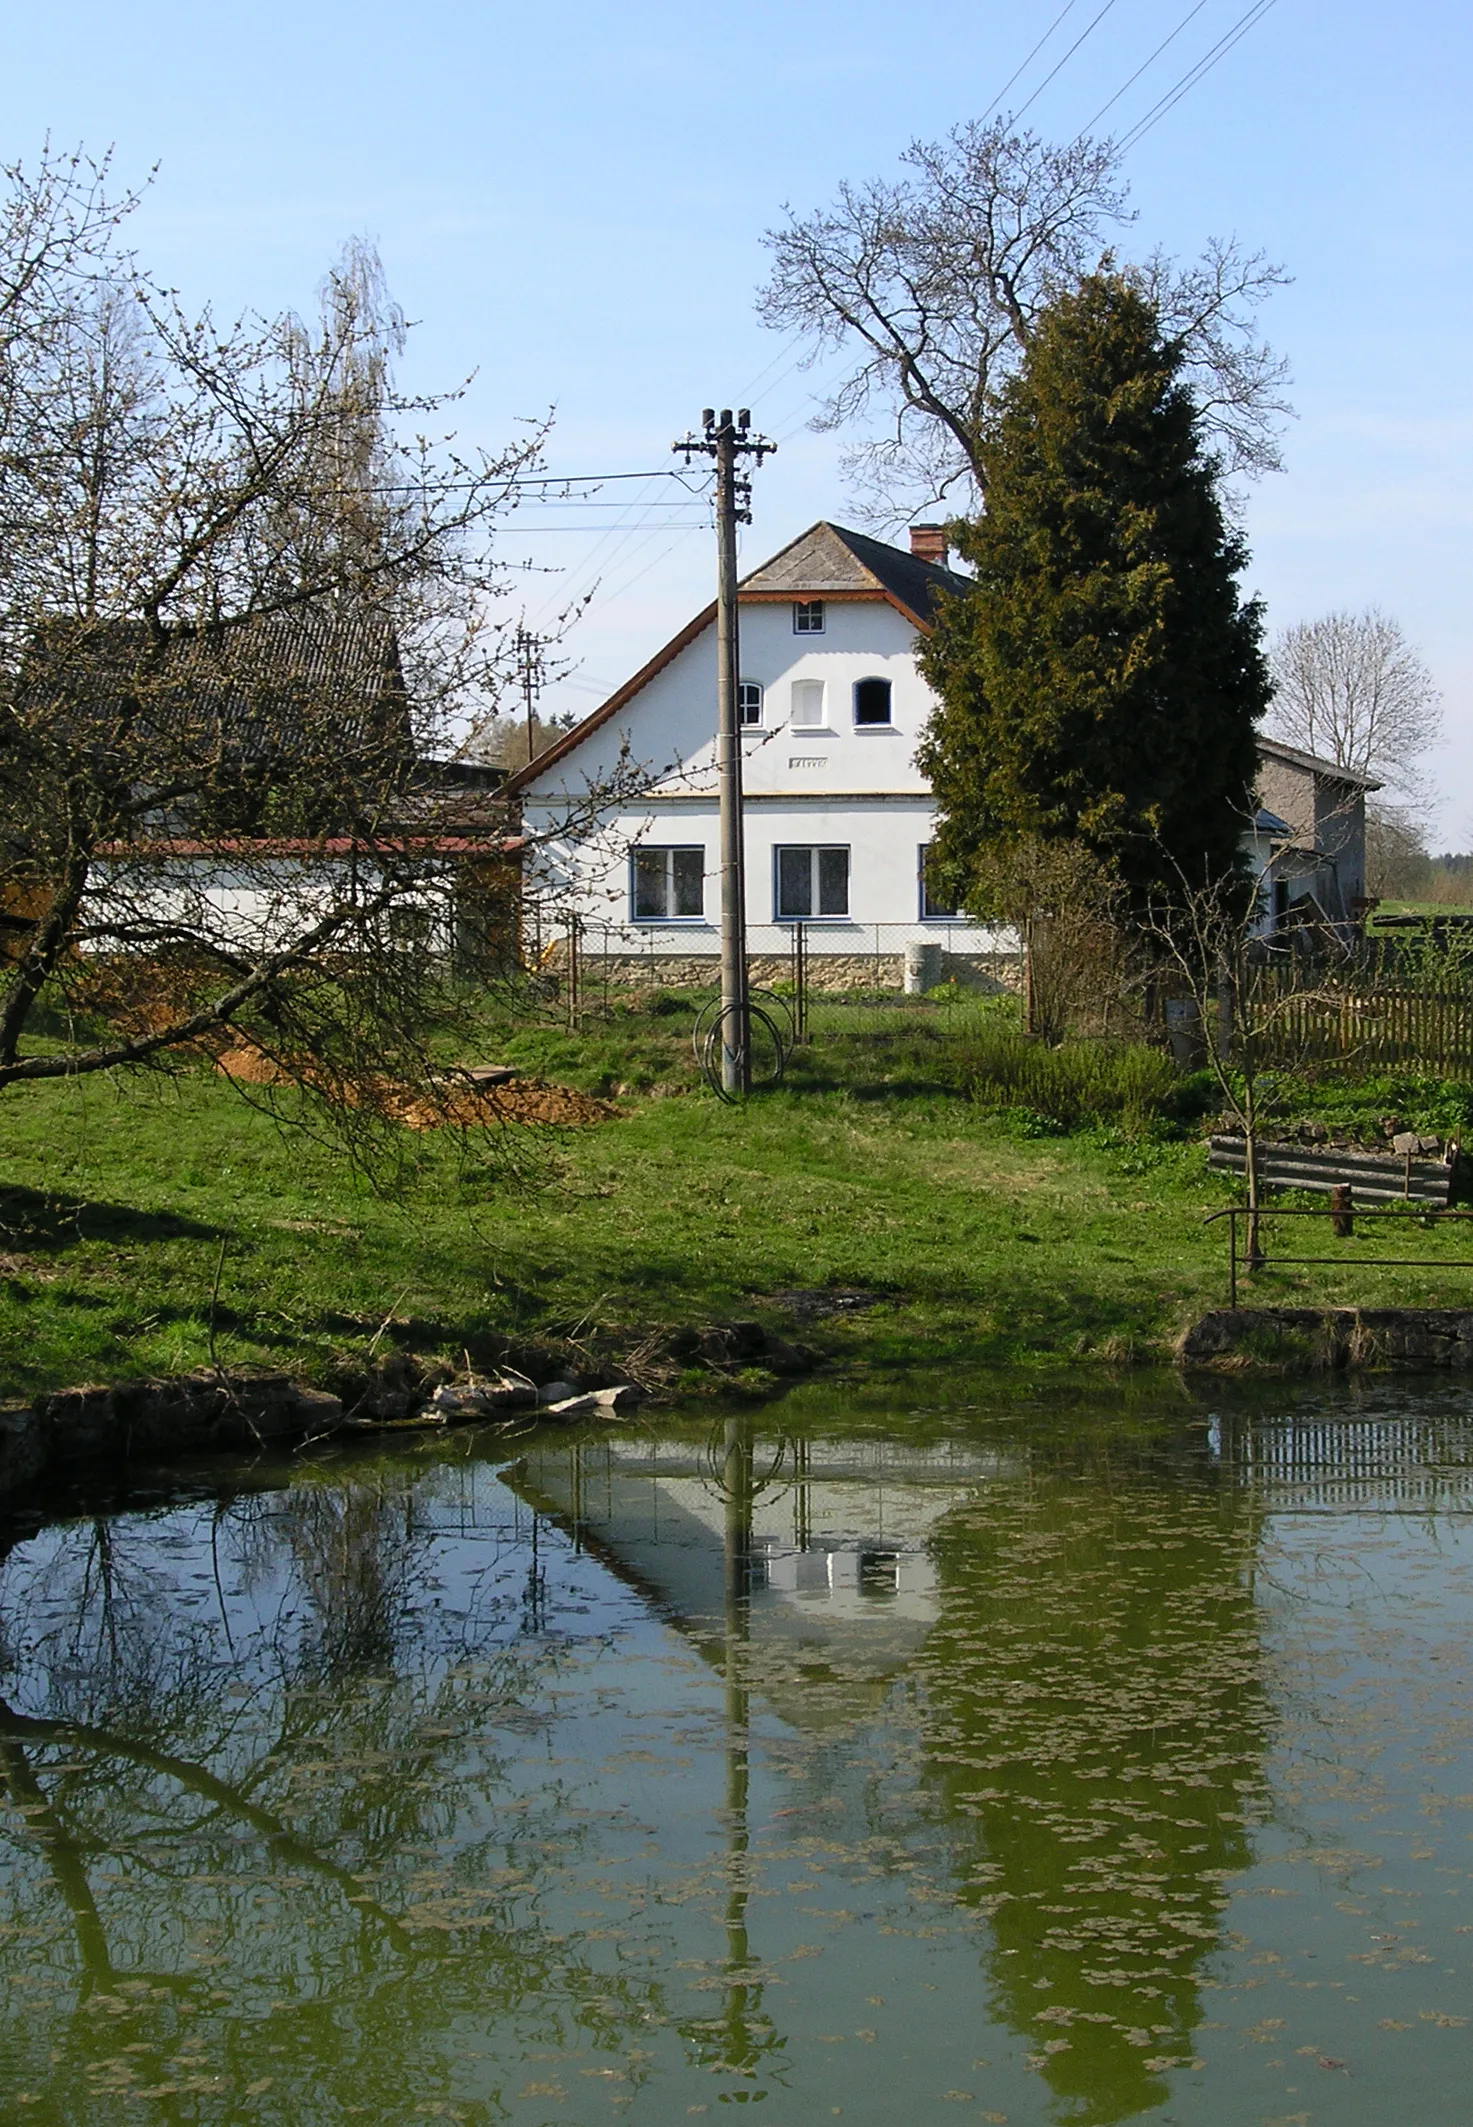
(669, 726)
(251, 909)
(883, 835)
(858, 787)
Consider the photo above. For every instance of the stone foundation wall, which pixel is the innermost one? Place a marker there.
(1314, 1339)
(986, 973)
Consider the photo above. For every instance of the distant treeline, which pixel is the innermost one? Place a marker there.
(1414, 875)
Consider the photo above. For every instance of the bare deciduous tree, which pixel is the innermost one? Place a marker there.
(934, 281)
(1351, 688)
(241, 600)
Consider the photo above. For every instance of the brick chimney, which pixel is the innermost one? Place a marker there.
(928, 543)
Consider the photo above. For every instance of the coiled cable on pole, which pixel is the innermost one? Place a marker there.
(712, 1044)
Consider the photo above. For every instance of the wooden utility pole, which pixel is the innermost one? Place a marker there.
(529, 664)
(727, 442)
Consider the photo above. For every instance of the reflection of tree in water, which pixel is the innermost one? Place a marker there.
(1097, 1719)
(303, 1792)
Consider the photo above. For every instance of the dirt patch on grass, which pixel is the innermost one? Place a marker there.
(523, 1101)
(530, 1101)
(16, 1269)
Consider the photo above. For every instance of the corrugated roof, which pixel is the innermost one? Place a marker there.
(254, 686)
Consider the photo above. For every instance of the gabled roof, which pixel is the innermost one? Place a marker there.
(826, 561)
(1332, 771)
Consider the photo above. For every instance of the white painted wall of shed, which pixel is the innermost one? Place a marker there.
(256, 908)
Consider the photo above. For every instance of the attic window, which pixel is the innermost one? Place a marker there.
(808, 616)
(808, 705)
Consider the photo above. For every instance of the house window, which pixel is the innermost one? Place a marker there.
(935, 906)
(411, 927)
(668, 884)
(872, 701)
(749, 702)
(808, 713)
(808, 616)
(811, 882)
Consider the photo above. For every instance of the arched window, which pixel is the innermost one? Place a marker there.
(749, 702)
(871, 701)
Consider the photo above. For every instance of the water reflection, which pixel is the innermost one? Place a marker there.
(267, 1782)
(1097, 1723)
(819, 1770)
(1090, 1712)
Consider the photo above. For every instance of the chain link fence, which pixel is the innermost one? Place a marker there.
(836, 980)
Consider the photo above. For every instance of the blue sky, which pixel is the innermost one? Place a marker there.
(570, 201)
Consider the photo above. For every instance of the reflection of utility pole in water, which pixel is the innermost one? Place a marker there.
(737, 2039)
(736, 1481)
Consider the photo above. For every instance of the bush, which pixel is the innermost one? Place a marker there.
(1078, 1082)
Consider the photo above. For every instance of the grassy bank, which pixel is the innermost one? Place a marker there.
(150, 1226)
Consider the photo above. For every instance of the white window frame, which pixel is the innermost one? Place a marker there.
(813, 851)
(669, 851)
(808, 616)
(927, 915)
(872, 679)
(809, 690)
(747, 688)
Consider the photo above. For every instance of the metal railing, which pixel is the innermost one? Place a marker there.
(1255, 1257)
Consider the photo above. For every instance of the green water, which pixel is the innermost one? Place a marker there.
(976, 1762)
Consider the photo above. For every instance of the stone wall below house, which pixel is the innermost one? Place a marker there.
(987, 973)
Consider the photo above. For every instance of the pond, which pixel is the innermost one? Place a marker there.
(934, 1756)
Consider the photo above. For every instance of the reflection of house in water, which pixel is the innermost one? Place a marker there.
(835, 1575)
(800, 1571)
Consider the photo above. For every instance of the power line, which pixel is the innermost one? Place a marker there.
(542, 531)
(530, 480)
(1074, 47)
(1068, 9)
(1135, 77)
(1204, 66)
(596, 560)
(792, 340)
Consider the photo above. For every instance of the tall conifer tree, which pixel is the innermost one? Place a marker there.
(1103, 680)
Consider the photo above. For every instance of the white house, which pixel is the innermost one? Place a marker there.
(838, 815)
(622, 810)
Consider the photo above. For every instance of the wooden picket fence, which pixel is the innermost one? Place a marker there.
(1340, 1019)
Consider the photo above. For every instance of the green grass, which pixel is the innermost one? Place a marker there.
(1077, 1082)
(999, 1230)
